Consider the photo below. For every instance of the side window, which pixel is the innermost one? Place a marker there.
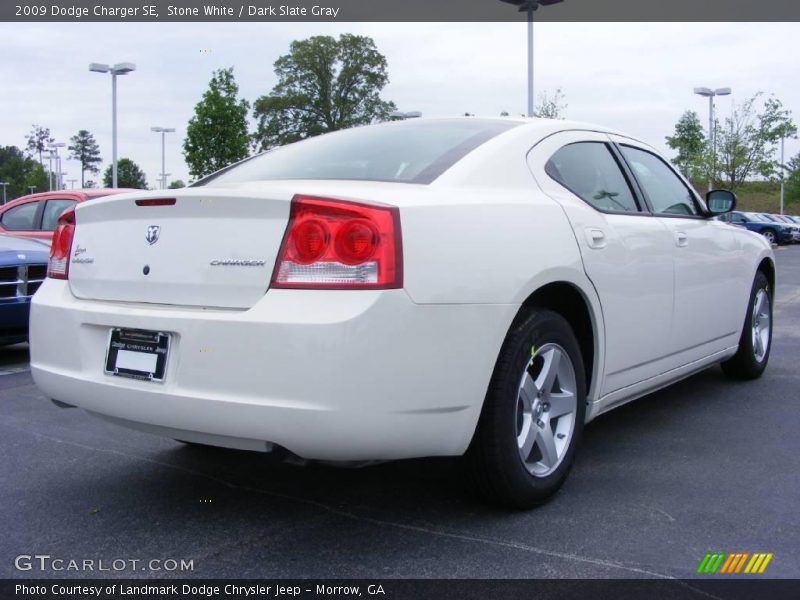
(590, 171)
(53, 210)
(737, 218)
(666, 192)
(20, 218)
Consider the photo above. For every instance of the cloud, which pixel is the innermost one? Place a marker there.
(635, 77)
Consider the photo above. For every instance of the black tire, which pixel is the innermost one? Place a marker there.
(494, 456)
(745, 363)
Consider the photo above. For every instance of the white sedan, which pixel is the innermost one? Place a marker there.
(424, 288)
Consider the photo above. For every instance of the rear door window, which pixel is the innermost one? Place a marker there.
(590, 171)
(52, 210)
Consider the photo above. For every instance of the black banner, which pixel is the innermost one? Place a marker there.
(397, 10)
(406, 589)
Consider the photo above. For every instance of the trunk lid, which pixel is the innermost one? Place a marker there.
(212, 248)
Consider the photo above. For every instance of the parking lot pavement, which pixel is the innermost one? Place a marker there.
(706, 465)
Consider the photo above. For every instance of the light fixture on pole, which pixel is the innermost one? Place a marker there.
(163, 177)
(118, 69)
(712, 133)
(4, 184)
(31, 188)
(530, 7)
(163, 131)
(72, 183)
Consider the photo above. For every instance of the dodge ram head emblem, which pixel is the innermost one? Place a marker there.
(152, 234)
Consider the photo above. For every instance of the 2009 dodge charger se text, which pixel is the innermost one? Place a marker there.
(421, 288)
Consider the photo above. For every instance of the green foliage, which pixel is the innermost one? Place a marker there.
(129, 175)
(690, 142)
(83, 148)
(746, 143)
(792, 185)
(20, 172)
(217, 133)
(324, 84)
(37, 141)
(551, 107)
(177, 184)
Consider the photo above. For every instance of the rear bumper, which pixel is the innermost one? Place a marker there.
(328, 375)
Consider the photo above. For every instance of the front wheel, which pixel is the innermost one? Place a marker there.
(755, 344)
(770, 236)
(533, 415)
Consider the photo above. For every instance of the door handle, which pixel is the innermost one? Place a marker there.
(596, 238)
(681, 239)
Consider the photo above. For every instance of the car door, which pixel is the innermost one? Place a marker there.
(627, 254)
(709, 265)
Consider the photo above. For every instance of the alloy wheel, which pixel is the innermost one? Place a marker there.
(761, 324)
(546, 409)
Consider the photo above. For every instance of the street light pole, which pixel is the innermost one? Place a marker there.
(50, 171)
(4, 184)
(530, 59)
(72, 183)
(118, 69)
(783, 173)
(712, 131)
(163, 131)
(530, 7)
(54, 148)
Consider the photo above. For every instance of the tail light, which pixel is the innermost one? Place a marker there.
(58, 266)
(337, 244)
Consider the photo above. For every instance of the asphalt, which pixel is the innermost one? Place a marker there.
(706, 465)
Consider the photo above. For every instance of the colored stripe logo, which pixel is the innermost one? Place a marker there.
(736, 562)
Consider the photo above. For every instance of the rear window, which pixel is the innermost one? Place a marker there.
(408, 152)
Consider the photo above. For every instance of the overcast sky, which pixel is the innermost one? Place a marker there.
(634, 77)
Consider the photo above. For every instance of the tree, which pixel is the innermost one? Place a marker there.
(217, 133)
(746, 143)
(20, 172)
(324, 84)
(37, 140)
(129, 175)
(551, 107)
(690, 142)
(83, 148)
(792, 184)
(177, 184)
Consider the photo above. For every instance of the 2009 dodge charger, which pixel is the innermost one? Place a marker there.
(430, 287)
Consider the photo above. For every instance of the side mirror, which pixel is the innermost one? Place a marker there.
(720, 202)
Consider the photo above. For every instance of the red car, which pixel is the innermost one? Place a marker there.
(35, 215)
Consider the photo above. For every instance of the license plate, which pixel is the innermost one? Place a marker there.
(137, 354)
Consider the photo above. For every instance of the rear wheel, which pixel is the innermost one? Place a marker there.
(532, 418)
(755, 344)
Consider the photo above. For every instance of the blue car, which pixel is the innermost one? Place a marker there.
(776, 233)
(23, 267)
